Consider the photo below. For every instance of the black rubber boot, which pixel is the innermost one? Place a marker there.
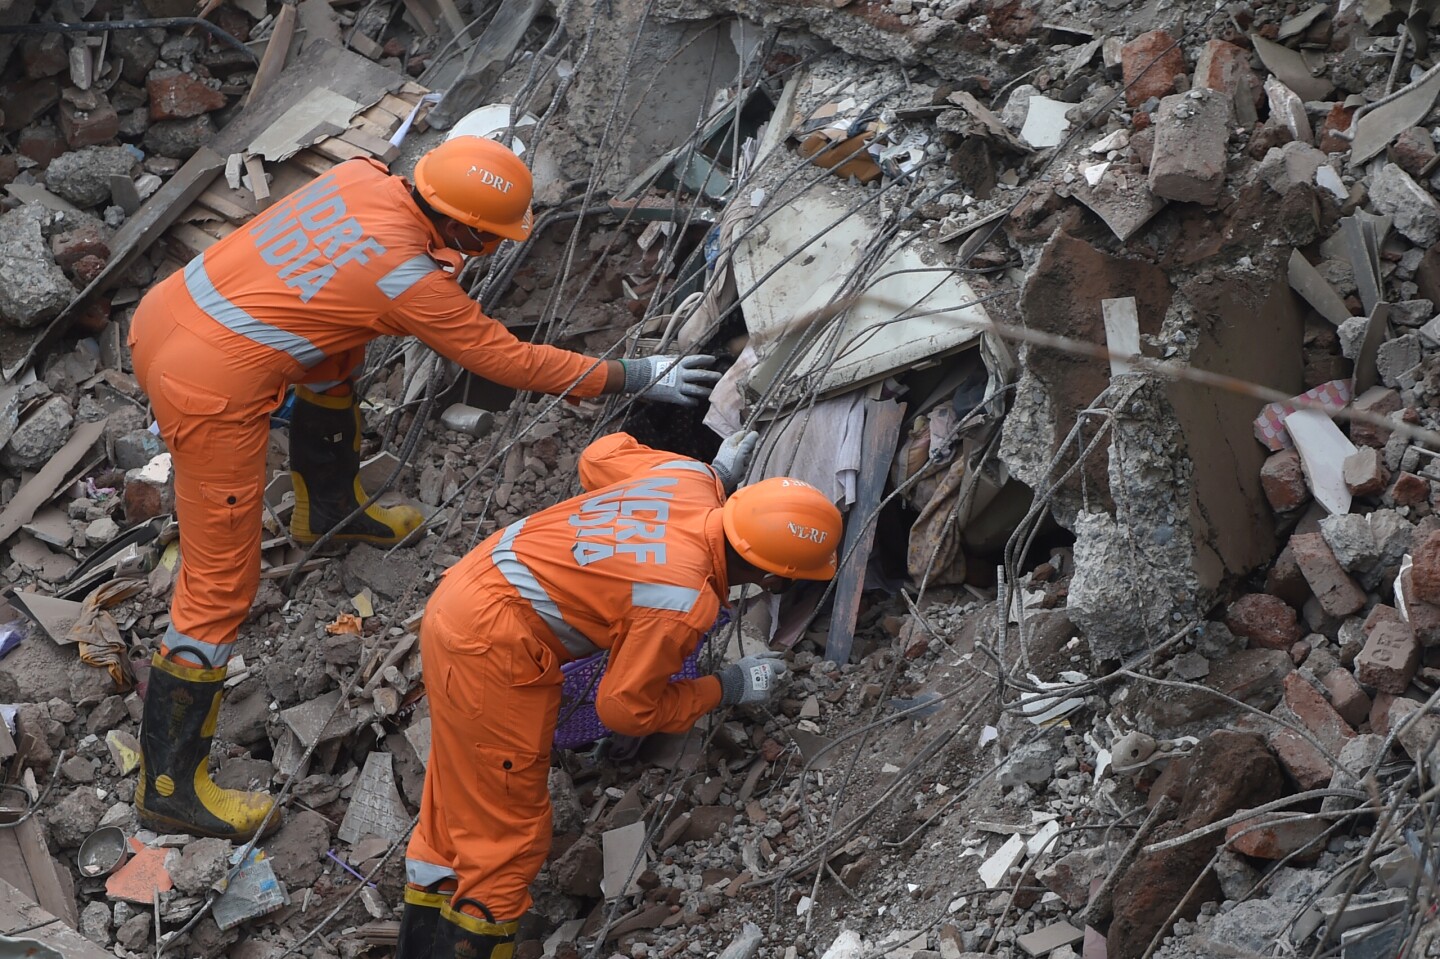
(175, 792)
(462, 936)
(418, 922)
(325, 469)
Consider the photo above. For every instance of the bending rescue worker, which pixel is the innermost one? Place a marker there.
(292, 298)
(638, 565)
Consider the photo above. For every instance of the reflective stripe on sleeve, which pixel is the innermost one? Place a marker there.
(679, 599)
(236, 320)
(395, 283)
(519, 575)
(212, 654)
(693, 465)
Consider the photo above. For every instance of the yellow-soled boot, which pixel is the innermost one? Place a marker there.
(325, 468)
(175, 793)
(460, 935)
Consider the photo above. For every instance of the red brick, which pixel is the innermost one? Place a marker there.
(1339, 595)
(1299, 652)
(1413, 151)
(1277, 835)
(87, 268)
(1268, 622)
(88, 128)
(1424, 618)
(1346, 696)
(70, 246)
(1225, 67)
(1410, 490)
(1305, 764)
(41, 142)
(95, 314)
(146, 500)
(1284, 481)
(1390, 658)
(175, 96)
(1425, 568)
(1380, 613)
(1365, 472)
(1378, 401)
(25, 101)
(9, 168)
(44, 56)
(1316, 714)
(1285, 580)
(1380, 714)
(1336, 122)
(1159, 79)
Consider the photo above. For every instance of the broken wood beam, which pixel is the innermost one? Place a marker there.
(484, 61)
(877, 441)
(273, 62)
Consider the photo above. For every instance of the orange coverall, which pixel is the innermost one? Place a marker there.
(293, 297)
(636, 565)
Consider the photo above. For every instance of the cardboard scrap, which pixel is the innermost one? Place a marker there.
(1270, 424)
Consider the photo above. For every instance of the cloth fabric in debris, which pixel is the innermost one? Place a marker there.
(819, 444)
(98, 636)
(635, 565)
(294, 297)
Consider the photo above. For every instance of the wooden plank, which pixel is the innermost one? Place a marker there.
(50, 894)
(376, 130)
(19, 912)
(413, 91)
(881, 433)
(259, 185)
(339, 150)
(272, 64)
(366, 47)
(424, 20)
(384, 122)
(393, 104)
(234, 205)
(186, 242)
(377, 147)
(311, 163)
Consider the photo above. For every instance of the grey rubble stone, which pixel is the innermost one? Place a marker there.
(746, 944)
(1393, 534)
(365, 565)
(75, 817)
(137, 448)
(1412, 313)
(35, 289)
(135, 932)
(1356, 757)
(1286, 167)
(179, 138)
(1191, 133)
(1398, 357)
(83, 176)
(1352, 541)
(202, 863)
(39, 436)
(1352, 336)
(95, 923)
(1415, 213)
(1017, 106)
(1248, 929)
(1032, 764)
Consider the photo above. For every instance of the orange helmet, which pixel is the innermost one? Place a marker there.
(784, 526)
(479, 183)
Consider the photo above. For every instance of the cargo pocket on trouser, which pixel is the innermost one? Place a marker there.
(501, 852)
(186, 413)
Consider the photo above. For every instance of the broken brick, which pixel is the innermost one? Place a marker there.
(1413, 150)
(1283, 481)
(1409, 490)
(1268, 622)
(1225, 67)
(149, 492)
(1333, 128)
(1277, 835)
(1192, 131)
(40, 142)
(87, 268)
(22, 102)
(1377, 401)
(175, 96)
(88, 128)
(1149, 64)
(1285, 580)
(1315, 713)
(1380, 714)
(1364, 471)
(1349, 700)
(1390, 658)
(1338, 593)
(44, 56)
(84, 240)
(1425, 568)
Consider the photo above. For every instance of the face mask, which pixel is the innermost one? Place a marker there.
(469, 241)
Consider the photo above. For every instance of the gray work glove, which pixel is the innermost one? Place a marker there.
(754, 679)
(734, 458)
(682, 380)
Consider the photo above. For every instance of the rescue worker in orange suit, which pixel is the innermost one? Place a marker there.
(639, 565)
(291, 299)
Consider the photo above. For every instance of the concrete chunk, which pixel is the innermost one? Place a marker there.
(1415, 212)
(1191, 133)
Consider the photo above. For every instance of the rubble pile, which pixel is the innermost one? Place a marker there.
(1145, 666)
